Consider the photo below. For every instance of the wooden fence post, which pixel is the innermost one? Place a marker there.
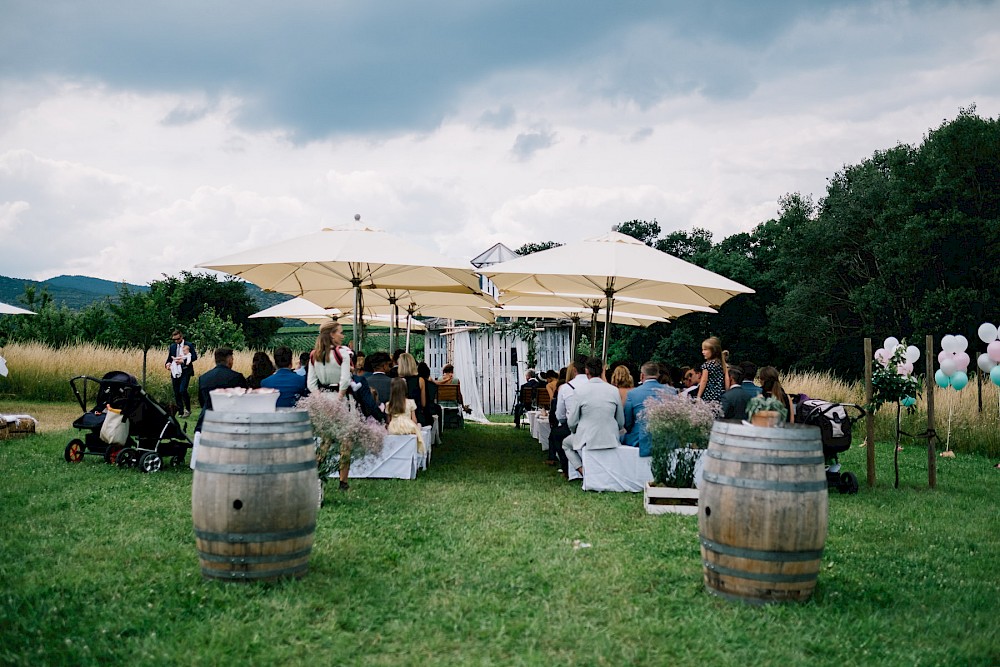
(869, 418)
(931, 434)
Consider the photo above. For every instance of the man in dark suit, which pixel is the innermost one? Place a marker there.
(180, 384)
(290, 384)
(734, 401)
(221, 377)
(530, 382)
(379, 380)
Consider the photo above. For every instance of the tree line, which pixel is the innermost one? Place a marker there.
(902, 244)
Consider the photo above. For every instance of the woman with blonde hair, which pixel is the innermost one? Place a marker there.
(402, 413)
(416, 388)
(622, 378)
(771, 386)
(330, 371)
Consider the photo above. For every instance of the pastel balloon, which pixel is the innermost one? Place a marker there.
(961, 343)
(943, 354)
(985, 363)
(995, 375)
(947, 342)
(962, 361)
(912, 354)
(881, 356)
(948, 366)
(944, 381)
(904, 368)
(993, 349)
(959, 380)
(909, 402)
(890, 344)
(987, 332)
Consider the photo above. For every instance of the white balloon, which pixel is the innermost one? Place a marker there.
(987, 332)
(947, 342)
(961, 343)
(890, 345)
(912, 354)
(948, 366)
(985, 363)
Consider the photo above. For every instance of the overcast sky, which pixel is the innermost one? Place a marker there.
(141, 138)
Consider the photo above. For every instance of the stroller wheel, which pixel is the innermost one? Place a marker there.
(176, 461)
(150, 462)
(74, 451)
(111, 453)
(848, 483)
(125, 458)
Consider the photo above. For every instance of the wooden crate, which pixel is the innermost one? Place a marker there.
(669, 500)
(16, 428)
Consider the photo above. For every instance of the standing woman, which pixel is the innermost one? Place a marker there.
(416, 388)
(771, 386)
(715, 374)
(330, 371)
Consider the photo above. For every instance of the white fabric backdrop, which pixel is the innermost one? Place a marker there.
(466, 374)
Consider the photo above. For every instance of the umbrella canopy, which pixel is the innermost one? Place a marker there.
(573, 302)
(611, 266)
(334, 267)
(303, 309)
(7, 309)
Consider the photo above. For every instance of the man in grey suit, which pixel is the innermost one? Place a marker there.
(596, 416)
(635, 421)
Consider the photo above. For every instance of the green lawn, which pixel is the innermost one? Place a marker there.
(474, 564)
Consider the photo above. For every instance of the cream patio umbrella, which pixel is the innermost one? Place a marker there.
(7, 309)
(612, 266)
(334, 267)
(307, 311)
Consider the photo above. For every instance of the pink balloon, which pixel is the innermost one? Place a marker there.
(905, 368)
(993, 349)
(881, 356)
(962, 361)
(943, 354)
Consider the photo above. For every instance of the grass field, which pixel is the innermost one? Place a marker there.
(474, 563)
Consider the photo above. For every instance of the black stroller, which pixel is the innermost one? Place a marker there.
(834, 422)
(153, 434)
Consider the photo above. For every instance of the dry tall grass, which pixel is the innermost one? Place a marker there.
(39, 373)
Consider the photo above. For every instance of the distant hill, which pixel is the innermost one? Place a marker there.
(78, 292)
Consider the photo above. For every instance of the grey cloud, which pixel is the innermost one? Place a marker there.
(641, 135)
(527, 144)
(499, 119)
(186, 114)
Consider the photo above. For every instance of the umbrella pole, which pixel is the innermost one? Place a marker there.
(357, 315)
(409, 318)
(607, 322)
(593, 331)
(572, 339)
(393, 319)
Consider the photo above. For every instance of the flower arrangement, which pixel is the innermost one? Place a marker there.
(679, 428)
(340, 431)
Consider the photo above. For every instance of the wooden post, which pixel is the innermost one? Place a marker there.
(931, 437)
(869, 418)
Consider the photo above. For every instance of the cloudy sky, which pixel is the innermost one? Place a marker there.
(141, 138)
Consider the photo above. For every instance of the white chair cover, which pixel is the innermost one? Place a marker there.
(618, 469)
(398, 460)
(543, 429)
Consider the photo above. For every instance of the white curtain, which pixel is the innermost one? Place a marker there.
(465, 371)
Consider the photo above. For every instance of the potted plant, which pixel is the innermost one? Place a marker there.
(679, 429)
(766, 411)
(340, 432)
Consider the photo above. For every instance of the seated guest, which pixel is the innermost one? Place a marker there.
(379, 380)
(530, 381)
(431, 408)
(666, 374)
(551, 382)
(260, 368)
(402, 413)
(290, 384)
(771, 386)
(360, 361)
(303, 364)
(221, 377)
(635, 418)
(692, 378)
(734, 401)
(621, 378)
(596, 416)
(448, 377)
(576, 377)
(749, 370)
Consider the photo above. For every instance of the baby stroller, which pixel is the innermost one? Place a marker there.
(153, 434)
(834, 422)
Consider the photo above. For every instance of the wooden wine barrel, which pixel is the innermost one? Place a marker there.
(255, 495)
(762, 514)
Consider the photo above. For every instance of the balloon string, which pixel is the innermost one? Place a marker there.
(947, 444)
